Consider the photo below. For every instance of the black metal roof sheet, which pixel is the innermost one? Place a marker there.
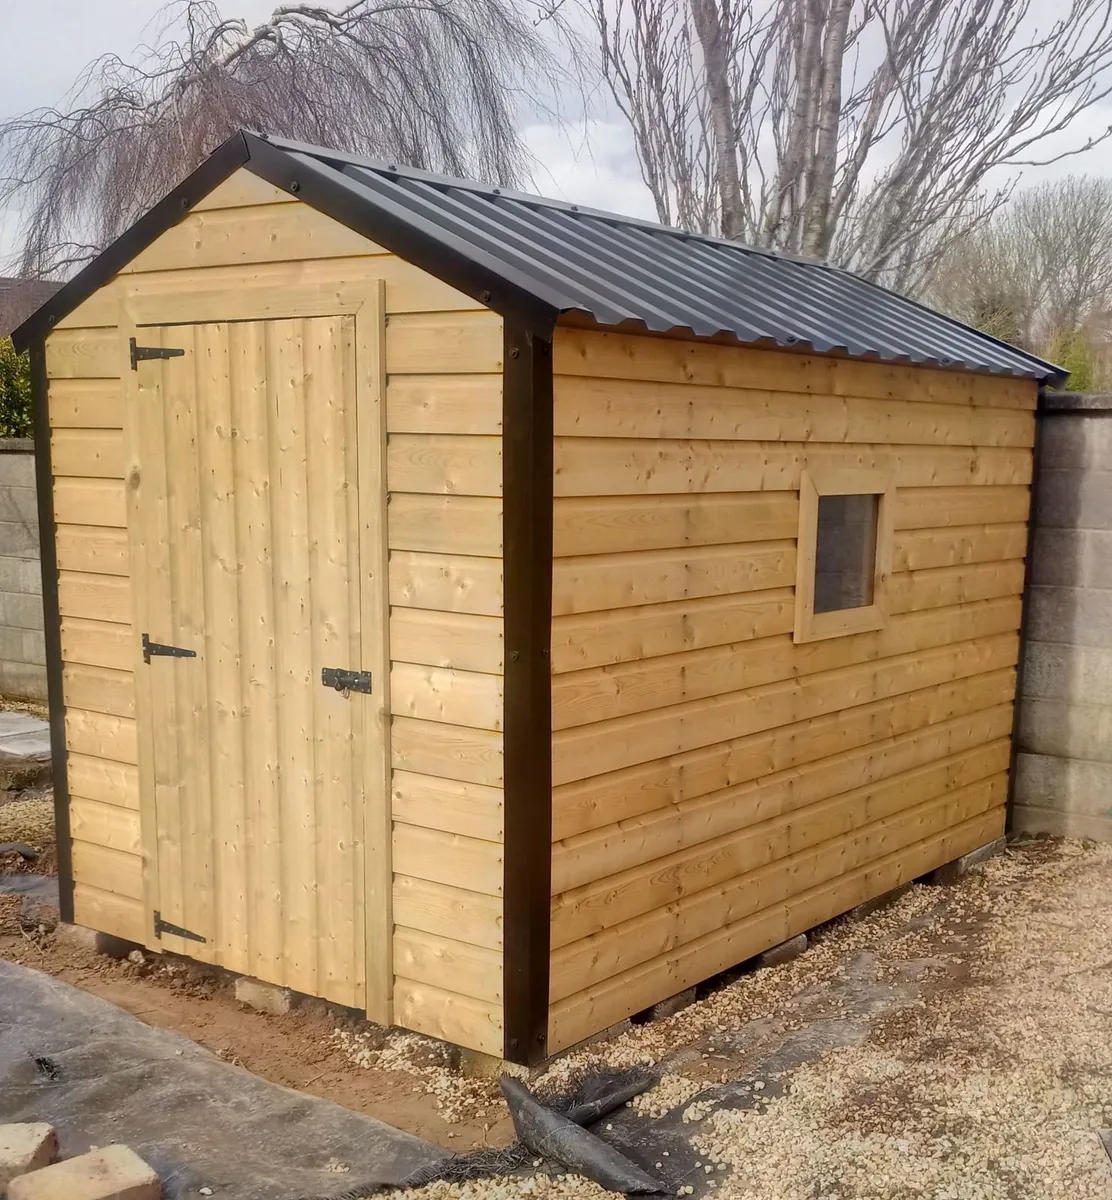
(516, 251)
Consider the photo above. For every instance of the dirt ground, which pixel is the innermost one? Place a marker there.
(953, 1045)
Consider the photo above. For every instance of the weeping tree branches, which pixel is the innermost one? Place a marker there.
(872, 132)
(431, 83)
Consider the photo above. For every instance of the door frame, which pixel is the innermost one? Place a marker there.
(206, 304)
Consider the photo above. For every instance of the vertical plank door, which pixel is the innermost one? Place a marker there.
(246, 527)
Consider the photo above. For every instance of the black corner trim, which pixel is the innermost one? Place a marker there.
(323, 186)
(527, 565)
(225, 159)
(52, 628)
(1025, 604)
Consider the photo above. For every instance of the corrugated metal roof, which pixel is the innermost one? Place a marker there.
(621, 271)
(537, 259)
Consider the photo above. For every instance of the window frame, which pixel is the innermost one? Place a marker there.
(842, 622)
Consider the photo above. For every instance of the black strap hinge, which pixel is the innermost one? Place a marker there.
(346, 681)
(161, 927)
(153, 649)
(142, 353)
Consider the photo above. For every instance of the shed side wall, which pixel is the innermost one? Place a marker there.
(444, 410)
(718, 788)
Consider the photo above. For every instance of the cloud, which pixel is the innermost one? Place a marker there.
(592, 163)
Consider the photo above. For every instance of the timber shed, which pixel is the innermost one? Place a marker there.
(500, 616)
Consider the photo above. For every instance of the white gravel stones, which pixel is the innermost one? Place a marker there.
(669, 1093)
(458, 1097)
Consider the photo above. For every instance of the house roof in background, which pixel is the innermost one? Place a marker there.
(541, 259)
(20, 297)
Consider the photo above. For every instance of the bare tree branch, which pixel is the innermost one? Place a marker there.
(864, 131)
(429, 83)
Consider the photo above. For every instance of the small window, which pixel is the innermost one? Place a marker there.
(843, 553)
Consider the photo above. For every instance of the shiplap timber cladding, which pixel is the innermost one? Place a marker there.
(716, 787)
(251, 253)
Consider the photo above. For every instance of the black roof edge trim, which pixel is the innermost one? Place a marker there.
(225, 159)
(312, 181)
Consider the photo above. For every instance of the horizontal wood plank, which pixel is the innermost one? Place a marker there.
(98, 453)
(625, 741)
(90, 502)
(624, 844)
(460, 404)
(242, 189)
(456, 913)
(442, 343)
(100, 735)
(425, 958)
(444, 464)
(624, 356)
(96, 597)
(98, 644)
(104, 780)
(756, 907)
(466, 525)
(586, 407)
(469, 809)
(449, 1016)
(450, 696)
(922, 549)
(85, 404)
(263, 234)
(449, 858)
(449, 751)
(97, 549)
(933, 508)
(620, 524)
(108, 870)
(99, 689)
(446, 639)
(622, 635)
(108, 912)
(612, 581)
(601, 693)
(105, 825)
(448, 583)
(631, 466)
(84, 354)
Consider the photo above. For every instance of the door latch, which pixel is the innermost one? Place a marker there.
(157, 649)
(346, 681)
(142, 353)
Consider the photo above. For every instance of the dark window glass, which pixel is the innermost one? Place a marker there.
(845, 552)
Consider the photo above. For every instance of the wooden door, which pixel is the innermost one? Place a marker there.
(249, 536)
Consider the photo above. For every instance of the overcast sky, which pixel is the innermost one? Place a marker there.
(47, 42)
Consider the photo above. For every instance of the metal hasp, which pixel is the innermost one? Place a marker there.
(157, 649)
(161, 927)
(142, 353)
(346, 681)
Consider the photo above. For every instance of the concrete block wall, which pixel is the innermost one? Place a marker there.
(1063, 779)
(22, 653)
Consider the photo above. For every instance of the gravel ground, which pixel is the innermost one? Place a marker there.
(955, 1046)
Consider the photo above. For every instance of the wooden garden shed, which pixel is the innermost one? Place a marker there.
(499, 616)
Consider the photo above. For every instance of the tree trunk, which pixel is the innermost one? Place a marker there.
(817, 231)
(708, 25)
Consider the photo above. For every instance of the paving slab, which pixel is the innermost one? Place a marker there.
(101, 1076)
(24, 751)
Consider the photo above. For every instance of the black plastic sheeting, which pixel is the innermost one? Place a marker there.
(100, 1076)
(552, 1136)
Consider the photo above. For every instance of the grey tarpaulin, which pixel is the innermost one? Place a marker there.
(196, 1120)
(551, 1135)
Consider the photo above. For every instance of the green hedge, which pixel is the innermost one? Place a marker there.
(15, 392)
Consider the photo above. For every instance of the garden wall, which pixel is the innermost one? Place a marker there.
(1064, 764)
(22, 654)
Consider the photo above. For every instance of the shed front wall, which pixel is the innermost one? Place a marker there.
(718, 788)
(443, 418)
